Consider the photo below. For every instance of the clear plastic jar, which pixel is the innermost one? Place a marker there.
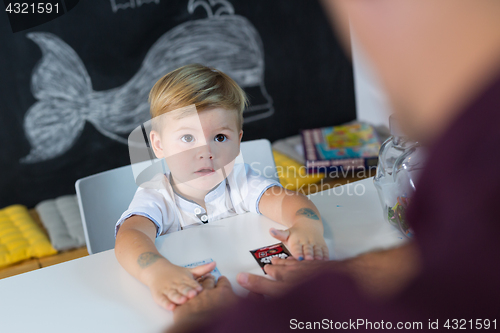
(399, 165)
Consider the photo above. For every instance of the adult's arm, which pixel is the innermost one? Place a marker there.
(378, 274)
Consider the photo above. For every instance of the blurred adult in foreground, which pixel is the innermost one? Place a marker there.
(439, 62)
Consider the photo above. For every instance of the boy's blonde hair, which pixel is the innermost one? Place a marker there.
(203, 86)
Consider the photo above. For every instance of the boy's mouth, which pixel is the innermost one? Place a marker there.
(204, 171)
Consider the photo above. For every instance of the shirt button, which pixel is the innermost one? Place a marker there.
(204, 218)
(197, 210)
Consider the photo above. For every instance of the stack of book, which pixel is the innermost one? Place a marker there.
(337, 148)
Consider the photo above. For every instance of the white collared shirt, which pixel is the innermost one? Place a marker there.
(239, 193)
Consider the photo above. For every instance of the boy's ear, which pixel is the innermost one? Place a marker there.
(155, 139)
(241, 134)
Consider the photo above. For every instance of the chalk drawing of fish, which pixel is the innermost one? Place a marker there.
(66, 99)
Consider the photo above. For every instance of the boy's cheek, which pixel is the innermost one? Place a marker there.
(177, 153)
(227, 162)
(230, 154)
(175, 149)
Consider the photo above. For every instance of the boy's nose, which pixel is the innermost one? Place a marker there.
(205, 152)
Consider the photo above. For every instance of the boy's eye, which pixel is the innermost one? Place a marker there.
(220, 138)
(187, 138)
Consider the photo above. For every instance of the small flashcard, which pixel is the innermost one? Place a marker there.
(263, 255)
(215, 272)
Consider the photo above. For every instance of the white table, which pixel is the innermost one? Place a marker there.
(95, 294)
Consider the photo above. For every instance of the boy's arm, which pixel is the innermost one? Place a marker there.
(135, 248)
(136, 252)
(287, 207)
(304, 237)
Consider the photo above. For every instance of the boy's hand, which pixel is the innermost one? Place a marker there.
(171, 285)
(304, 240)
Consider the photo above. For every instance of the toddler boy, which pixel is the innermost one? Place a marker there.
(197, 117)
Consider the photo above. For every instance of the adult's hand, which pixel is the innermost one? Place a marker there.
(198, 310)
(379, 274)
(286, 272)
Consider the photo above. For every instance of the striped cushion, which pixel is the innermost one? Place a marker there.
(61, 218)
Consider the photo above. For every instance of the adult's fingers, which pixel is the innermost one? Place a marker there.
(223, 282)
(278, 272)
(208, 282)
(254, 296)
(284, 262)
(260, 284)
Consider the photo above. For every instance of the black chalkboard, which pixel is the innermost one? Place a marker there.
(72, 89)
